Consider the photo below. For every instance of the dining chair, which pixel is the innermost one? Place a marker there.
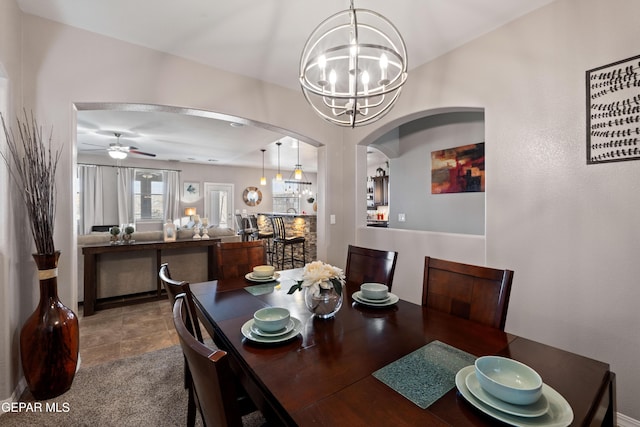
(236, 259)
(219, 400)
(480, 294)
(175, 288)
(370, 265)
(281, 241)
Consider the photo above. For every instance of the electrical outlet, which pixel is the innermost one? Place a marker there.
(332, 219)
(401, 218)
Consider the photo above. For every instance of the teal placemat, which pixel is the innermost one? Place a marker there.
(426, 374)
(261, 289)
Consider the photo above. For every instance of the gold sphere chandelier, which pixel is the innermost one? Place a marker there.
(353, 67)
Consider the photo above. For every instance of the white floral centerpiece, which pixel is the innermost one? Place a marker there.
(323, 285)
(318, 275)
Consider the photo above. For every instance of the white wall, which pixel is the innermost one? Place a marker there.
(570, 231)
(14, 251)
(410, 181)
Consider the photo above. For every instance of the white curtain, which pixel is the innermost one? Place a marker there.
(91, 202)
(171, 181)
(124, 183)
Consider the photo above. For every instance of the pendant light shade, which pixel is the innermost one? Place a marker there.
(278, 175)
(263, 178)
(297, 173)
(353, 66)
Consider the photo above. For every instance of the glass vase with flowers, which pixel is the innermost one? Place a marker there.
(323, 286)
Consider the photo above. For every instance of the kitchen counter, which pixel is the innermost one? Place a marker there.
(377, 223)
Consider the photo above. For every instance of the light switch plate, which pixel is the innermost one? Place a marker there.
(332, 219)
(401, 218)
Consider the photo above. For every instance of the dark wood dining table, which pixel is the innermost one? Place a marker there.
(323, 376)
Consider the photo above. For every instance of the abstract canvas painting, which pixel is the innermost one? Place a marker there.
(458, 170)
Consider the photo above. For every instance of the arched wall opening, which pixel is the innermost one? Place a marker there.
(408, 144)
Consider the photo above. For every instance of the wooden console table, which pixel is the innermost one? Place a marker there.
(91, 254)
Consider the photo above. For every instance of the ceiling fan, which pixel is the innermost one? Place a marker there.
(118, 151)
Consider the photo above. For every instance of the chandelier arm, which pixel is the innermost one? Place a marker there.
(341, 109)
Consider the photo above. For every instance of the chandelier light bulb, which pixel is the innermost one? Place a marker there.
(384, 64)
(322, 64)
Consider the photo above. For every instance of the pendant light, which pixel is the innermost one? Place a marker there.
(263, 178)
(278, 175)
(297, 173)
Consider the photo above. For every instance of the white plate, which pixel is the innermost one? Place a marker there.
(374, 301)
(257, 331)
(559, 414)
(390, 301)
(248, 334)
(252, 278)
(536, 409)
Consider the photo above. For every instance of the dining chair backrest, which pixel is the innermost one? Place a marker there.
(236, 259)
(370, 265)
(480, 294)
(215, 388)
(174, 288)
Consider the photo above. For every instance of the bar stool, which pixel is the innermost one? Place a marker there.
(241, 228)
(280, 240)
(262, 235)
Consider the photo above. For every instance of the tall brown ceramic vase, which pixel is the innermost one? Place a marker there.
(49, 339)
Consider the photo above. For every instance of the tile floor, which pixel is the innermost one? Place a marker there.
(121, 332)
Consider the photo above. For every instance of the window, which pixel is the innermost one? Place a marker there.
(148, 195)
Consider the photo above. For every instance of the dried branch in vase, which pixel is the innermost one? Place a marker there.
(32, 166)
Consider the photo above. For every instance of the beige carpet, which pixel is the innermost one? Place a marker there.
(145, 390)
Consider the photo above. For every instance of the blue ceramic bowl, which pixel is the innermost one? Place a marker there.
(508, 380)
(271, 319)
(374, 291)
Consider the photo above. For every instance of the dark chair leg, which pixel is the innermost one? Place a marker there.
(283, 256)
(293, 265)
(191, 408)
(304, 254)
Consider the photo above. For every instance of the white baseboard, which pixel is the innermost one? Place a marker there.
(624, 421)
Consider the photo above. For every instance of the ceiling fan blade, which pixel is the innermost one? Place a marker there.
(93, 145)
(141, 153)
